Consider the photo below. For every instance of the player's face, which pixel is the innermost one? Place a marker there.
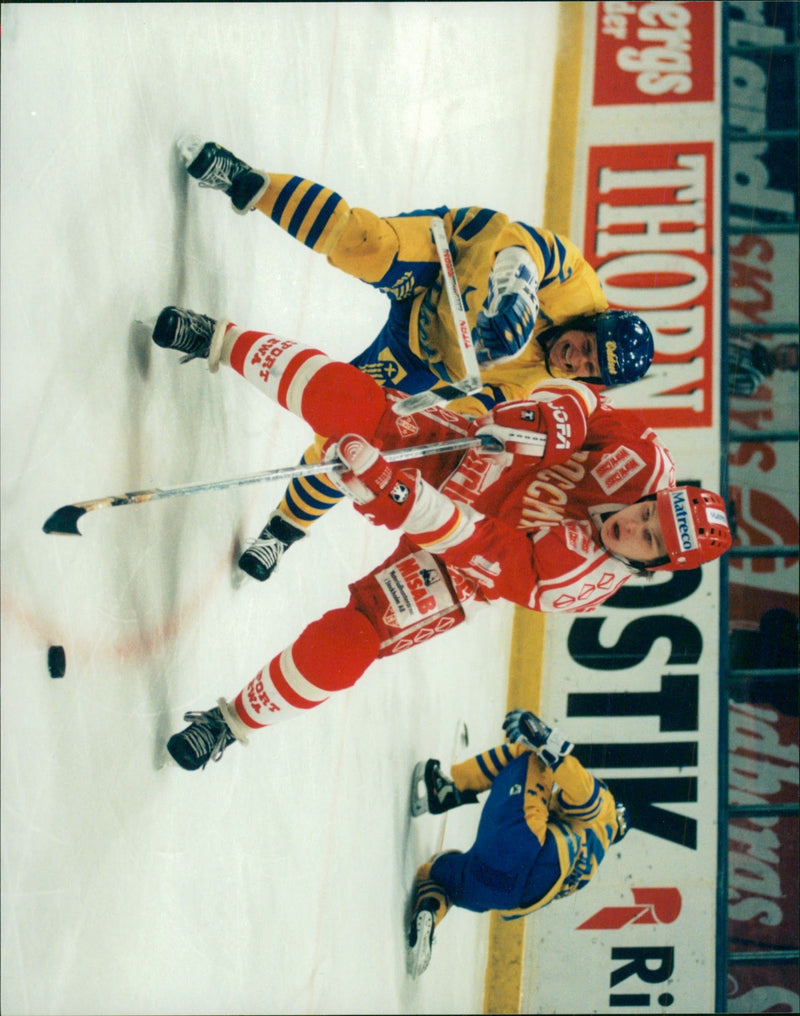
(574, 353)
(635, 532)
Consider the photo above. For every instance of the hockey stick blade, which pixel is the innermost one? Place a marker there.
(64, 521)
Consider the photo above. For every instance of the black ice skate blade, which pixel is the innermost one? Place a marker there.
(65, 520)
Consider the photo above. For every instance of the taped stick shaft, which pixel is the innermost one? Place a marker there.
(457, 308)
(472, 382)
(65, 519)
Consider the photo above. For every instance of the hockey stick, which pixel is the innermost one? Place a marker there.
(472, 382)
(65, 519)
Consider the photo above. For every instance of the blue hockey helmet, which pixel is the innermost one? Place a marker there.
(624, 346)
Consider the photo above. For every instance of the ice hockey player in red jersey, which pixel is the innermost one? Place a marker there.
(545, 828)
(534, 305)
(565, 503)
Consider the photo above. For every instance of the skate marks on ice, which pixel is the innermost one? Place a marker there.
(179, 180)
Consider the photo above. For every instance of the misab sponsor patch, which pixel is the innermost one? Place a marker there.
(616, 468)
(414, 588)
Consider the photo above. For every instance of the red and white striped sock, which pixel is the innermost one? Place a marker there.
(332, 397)
(330, 654)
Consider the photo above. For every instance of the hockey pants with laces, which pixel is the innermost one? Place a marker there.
(334, 651)
(512, 858)
(534, 842)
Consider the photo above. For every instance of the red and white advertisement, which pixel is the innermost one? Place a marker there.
(636, 682)
(650, 235)
(654, 52)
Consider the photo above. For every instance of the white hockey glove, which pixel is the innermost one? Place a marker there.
(505, 322)
(524, 727)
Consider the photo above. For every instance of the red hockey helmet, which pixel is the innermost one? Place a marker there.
(694, 525)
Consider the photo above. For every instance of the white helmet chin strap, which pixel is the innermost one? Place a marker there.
(635, 566)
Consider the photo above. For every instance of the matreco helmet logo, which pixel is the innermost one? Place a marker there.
(683, 520)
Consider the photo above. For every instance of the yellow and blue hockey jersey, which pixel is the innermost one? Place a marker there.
(577, 809)
(397, 256)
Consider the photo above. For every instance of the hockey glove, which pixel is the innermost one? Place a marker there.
(548, 427)
(505, 322)
(524, 727)
(400, 498)
(367, 473)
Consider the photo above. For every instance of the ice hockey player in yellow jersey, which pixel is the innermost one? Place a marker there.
(544, 830)
(534, 305)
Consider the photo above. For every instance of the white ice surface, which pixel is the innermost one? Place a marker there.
(275, 881)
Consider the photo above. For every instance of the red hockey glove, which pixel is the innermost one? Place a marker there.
(399, 498)
(384, 494)
(548, 427)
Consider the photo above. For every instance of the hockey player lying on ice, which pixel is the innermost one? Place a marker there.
(534, 843)
(557, 519)
(534, 305)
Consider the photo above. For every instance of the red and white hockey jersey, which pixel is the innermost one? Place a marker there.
(535, 533)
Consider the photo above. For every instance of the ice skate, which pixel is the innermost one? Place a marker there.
(261, 558)
(429, 905)
(185, 331)
(215, 167)
(432, 791)
(420, 936)
(204, 740)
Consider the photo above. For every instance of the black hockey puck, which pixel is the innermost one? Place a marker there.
(56, 661)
